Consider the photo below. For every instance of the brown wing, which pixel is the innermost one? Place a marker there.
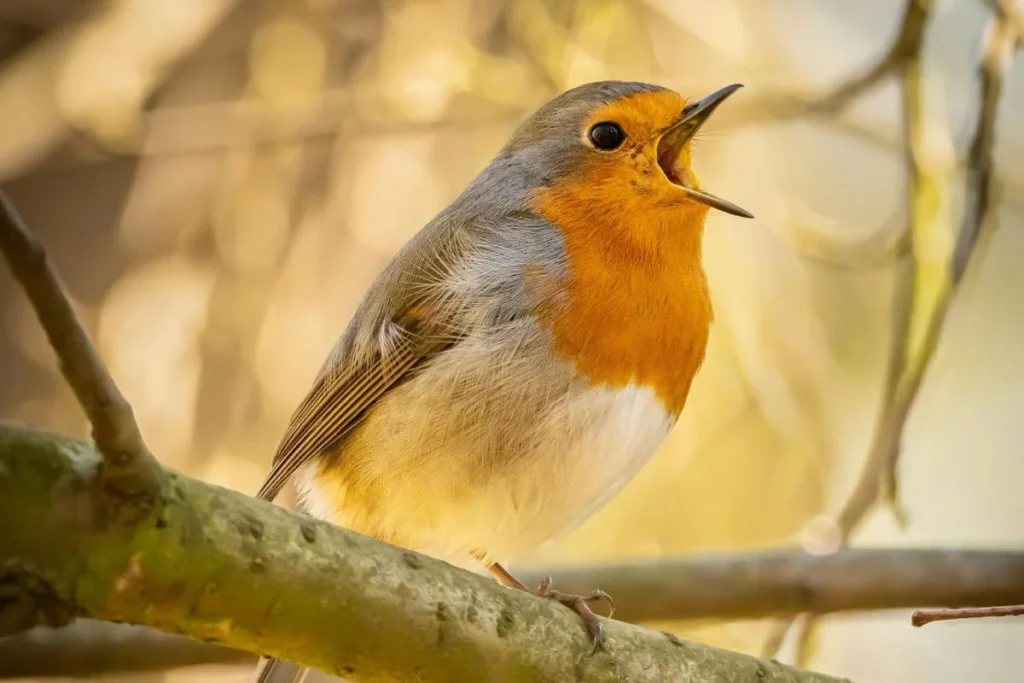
(335, 404)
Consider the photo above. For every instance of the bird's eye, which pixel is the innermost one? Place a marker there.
(607, 135)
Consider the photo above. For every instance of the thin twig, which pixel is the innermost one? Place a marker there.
(1012, 11)
(927, 616)
(1001, 40)
(130, 473)
(778, 629)
(902, 49)
(878, 477)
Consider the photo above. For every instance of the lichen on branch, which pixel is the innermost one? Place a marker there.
(219, 566)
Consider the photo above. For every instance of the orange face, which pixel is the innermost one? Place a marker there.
(628, 182)
(631, 156)
(637, 309)
(656, 167)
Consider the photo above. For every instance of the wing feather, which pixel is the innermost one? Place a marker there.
(452, 277)
(334, 406)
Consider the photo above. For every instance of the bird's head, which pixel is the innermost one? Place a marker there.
(620, 148)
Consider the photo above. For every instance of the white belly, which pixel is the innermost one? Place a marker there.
(487, 451)
(588, 447)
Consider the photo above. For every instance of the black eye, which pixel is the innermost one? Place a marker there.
(607, 135)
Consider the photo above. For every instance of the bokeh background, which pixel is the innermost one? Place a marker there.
(218, 181)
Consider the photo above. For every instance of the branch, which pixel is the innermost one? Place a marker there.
(1002, 39)
(129, 470)
(927, 616)
(1013, 12)
(878, 479)
(759, 584)
(903, 48)
(728, 586)
(194, 559)
(219, 566)
(88, 648)
(878, 474)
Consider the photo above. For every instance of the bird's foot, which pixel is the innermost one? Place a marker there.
(579, 605)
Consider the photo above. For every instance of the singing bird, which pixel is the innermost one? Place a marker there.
(524, 354)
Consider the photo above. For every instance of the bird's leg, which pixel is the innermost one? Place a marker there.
(504, 577)
(577, 603)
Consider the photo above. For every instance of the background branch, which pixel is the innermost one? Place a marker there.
(1002, 39)
(909, 361)
(87, 648)
(904, 56)
(904, 48)
(759, 584)
(879, 475)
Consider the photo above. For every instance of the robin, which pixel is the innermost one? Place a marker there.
(526, 352)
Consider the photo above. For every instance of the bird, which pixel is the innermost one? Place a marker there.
(524, 354)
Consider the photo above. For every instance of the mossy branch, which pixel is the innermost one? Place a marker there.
(129, 471)
(747, 585)
(222, 567)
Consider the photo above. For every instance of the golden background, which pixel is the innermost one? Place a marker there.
(218, 181)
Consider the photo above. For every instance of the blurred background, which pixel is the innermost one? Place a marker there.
(218, 181)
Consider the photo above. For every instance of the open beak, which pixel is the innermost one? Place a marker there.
(674, 139)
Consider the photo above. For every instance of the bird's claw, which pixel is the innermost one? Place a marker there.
(578, 604)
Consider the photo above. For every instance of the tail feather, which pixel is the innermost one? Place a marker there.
(276, 671)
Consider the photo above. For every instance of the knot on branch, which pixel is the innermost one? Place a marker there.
(128, 498)
(28, 598)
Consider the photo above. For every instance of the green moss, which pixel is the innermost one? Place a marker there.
(219, 566)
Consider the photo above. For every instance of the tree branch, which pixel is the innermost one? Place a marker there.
(759, 584)
(878, 480)
(878, 474)
(901, 50)
(1001, 40)
(219, 566)
(927, 616)
(1013, 12)
(129, 470)
(728, 586)
(89, 648)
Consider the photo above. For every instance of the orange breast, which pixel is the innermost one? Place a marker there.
(634, 306)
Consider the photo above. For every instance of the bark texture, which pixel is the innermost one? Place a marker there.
(222, 567)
